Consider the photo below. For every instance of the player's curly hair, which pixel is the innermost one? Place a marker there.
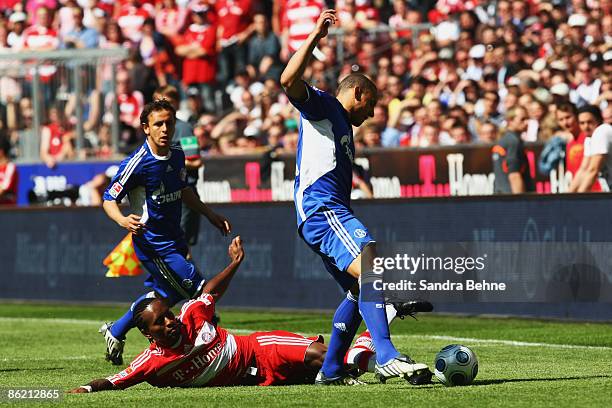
(156, 106)
(138, 310)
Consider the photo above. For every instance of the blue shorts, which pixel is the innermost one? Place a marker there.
(338, 237)
(171, 275)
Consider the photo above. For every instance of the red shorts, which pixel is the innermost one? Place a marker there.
(279, 357)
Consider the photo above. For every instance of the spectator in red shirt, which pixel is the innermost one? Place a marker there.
(567, 119)
(130, 18)
(299, 18)
(197, 46)
(170, 19)
(41, 37)
(131, 103)
(56, 139)
(233, 30)
(8, 174)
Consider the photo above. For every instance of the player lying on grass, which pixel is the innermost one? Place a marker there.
(191, 351)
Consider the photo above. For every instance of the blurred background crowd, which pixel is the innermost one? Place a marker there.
(448, 71)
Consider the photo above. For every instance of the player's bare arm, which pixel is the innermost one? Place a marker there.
(291, 78)
(101, 384)
(131, 222)
(516, 182)
(580, 174)
(193, 202)
(193, 164)
(596, 163)
(217, 286)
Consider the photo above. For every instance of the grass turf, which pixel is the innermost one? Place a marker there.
(527, 363)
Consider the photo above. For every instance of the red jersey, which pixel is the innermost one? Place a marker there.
(210, 356)
(299, 20)
(130, 20)
(37, 37)
(200, 70)
(574, 151)
(41, 38)
(234, 16)
(130, 106)
(205, 355)
(55, 139)
(8, 183)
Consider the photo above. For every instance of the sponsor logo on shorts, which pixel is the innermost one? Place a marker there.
(359, 233)
(187, 283)
(116, 189)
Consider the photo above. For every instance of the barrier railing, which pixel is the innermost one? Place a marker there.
(33, 82)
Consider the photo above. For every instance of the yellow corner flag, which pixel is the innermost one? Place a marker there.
(122, 260)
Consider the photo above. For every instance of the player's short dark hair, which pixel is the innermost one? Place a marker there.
(168, 91)
(357, 80)
(568, 107)
(138, 311)
(156, 106)
(593, 110)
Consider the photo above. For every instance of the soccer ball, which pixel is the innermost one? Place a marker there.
(456, 365)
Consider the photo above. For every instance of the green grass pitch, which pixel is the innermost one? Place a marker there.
(528, 363)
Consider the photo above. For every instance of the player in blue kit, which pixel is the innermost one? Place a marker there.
(154, 179)
(325, 220)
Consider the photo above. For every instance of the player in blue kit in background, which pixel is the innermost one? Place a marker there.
(324, 216)
(154, 179)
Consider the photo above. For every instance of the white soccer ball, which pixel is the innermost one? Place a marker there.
(456, 365)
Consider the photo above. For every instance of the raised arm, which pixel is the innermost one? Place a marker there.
(291, 78)
(217, 286)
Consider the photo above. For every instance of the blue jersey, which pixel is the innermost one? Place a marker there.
(324, 161)
(154, 187)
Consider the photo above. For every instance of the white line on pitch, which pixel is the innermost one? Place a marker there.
(468, 340)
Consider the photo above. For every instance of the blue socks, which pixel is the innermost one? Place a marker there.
(344, 326)
(120, 328)
(372, 308)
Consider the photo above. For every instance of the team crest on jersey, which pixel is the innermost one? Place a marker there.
(207, 334)
(116, 189)
(345, 141)
(187, 283)
(183, 174)
(359, 233)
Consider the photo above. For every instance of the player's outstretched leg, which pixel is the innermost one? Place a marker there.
(344, 326)
(389, 362)
(362, 358)
(372, 307)
(114, 332)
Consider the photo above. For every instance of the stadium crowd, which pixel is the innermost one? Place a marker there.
(449, 83)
